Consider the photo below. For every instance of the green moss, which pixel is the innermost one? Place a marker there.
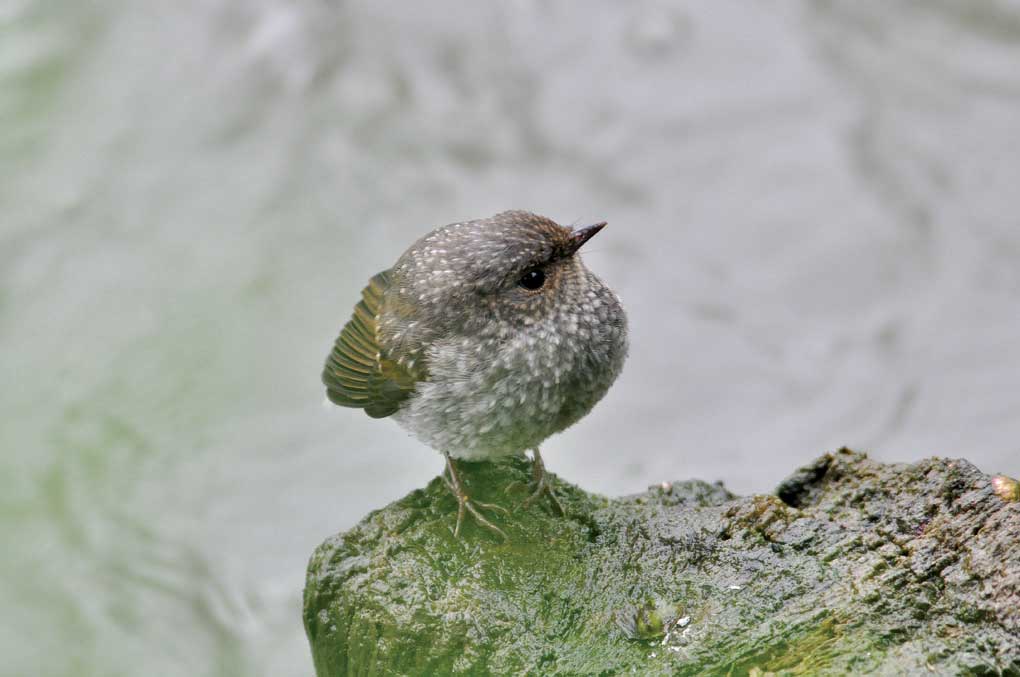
(685, 579)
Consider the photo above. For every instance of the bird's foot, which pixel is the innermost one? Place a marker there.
(466, 504)
(542, 487)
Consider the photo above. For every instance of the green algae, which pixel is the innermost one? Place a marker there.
(852, 567)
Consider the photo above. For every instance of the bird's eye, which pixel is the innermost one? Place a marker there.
(533, 279)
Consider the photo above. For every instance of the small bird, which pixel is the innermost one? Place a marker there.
(485, 338)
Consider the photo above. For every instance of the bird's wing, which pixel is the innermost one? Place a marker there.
(358, 372)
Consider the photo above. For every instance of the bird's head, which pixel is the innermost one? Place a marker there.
(514, 267)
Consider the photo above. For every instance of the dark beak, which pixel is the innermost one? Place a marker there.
(582, 235)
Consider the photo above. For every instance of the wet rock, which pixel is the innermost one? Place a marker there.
(853, 566)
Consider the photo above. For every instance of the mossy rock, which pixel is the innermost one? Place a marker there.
(852, 567)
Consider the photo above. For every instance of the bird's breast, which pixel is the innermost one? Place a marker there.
(505, 390)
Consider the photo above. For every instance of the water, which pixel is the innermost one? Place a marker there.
(813, 226)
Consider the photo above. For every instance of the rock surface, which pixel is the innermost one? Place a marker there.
(852, 567)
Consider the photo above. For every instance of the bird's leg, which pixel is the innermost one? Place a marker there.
(465, 503)
(541, 484)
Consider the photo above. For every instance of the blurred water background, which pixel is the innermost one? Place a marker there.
(814, 225)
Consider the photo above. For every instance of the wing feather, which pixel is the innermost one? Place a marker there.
(358, 372)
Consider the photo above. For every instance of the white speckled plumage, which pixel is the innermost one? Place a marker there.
(496, 368)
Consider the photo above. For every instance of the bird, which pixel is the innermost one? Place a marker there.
(486, 337)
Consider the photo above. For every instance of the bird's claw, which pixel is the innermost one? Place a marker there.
(542, 487)
(465, 504)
